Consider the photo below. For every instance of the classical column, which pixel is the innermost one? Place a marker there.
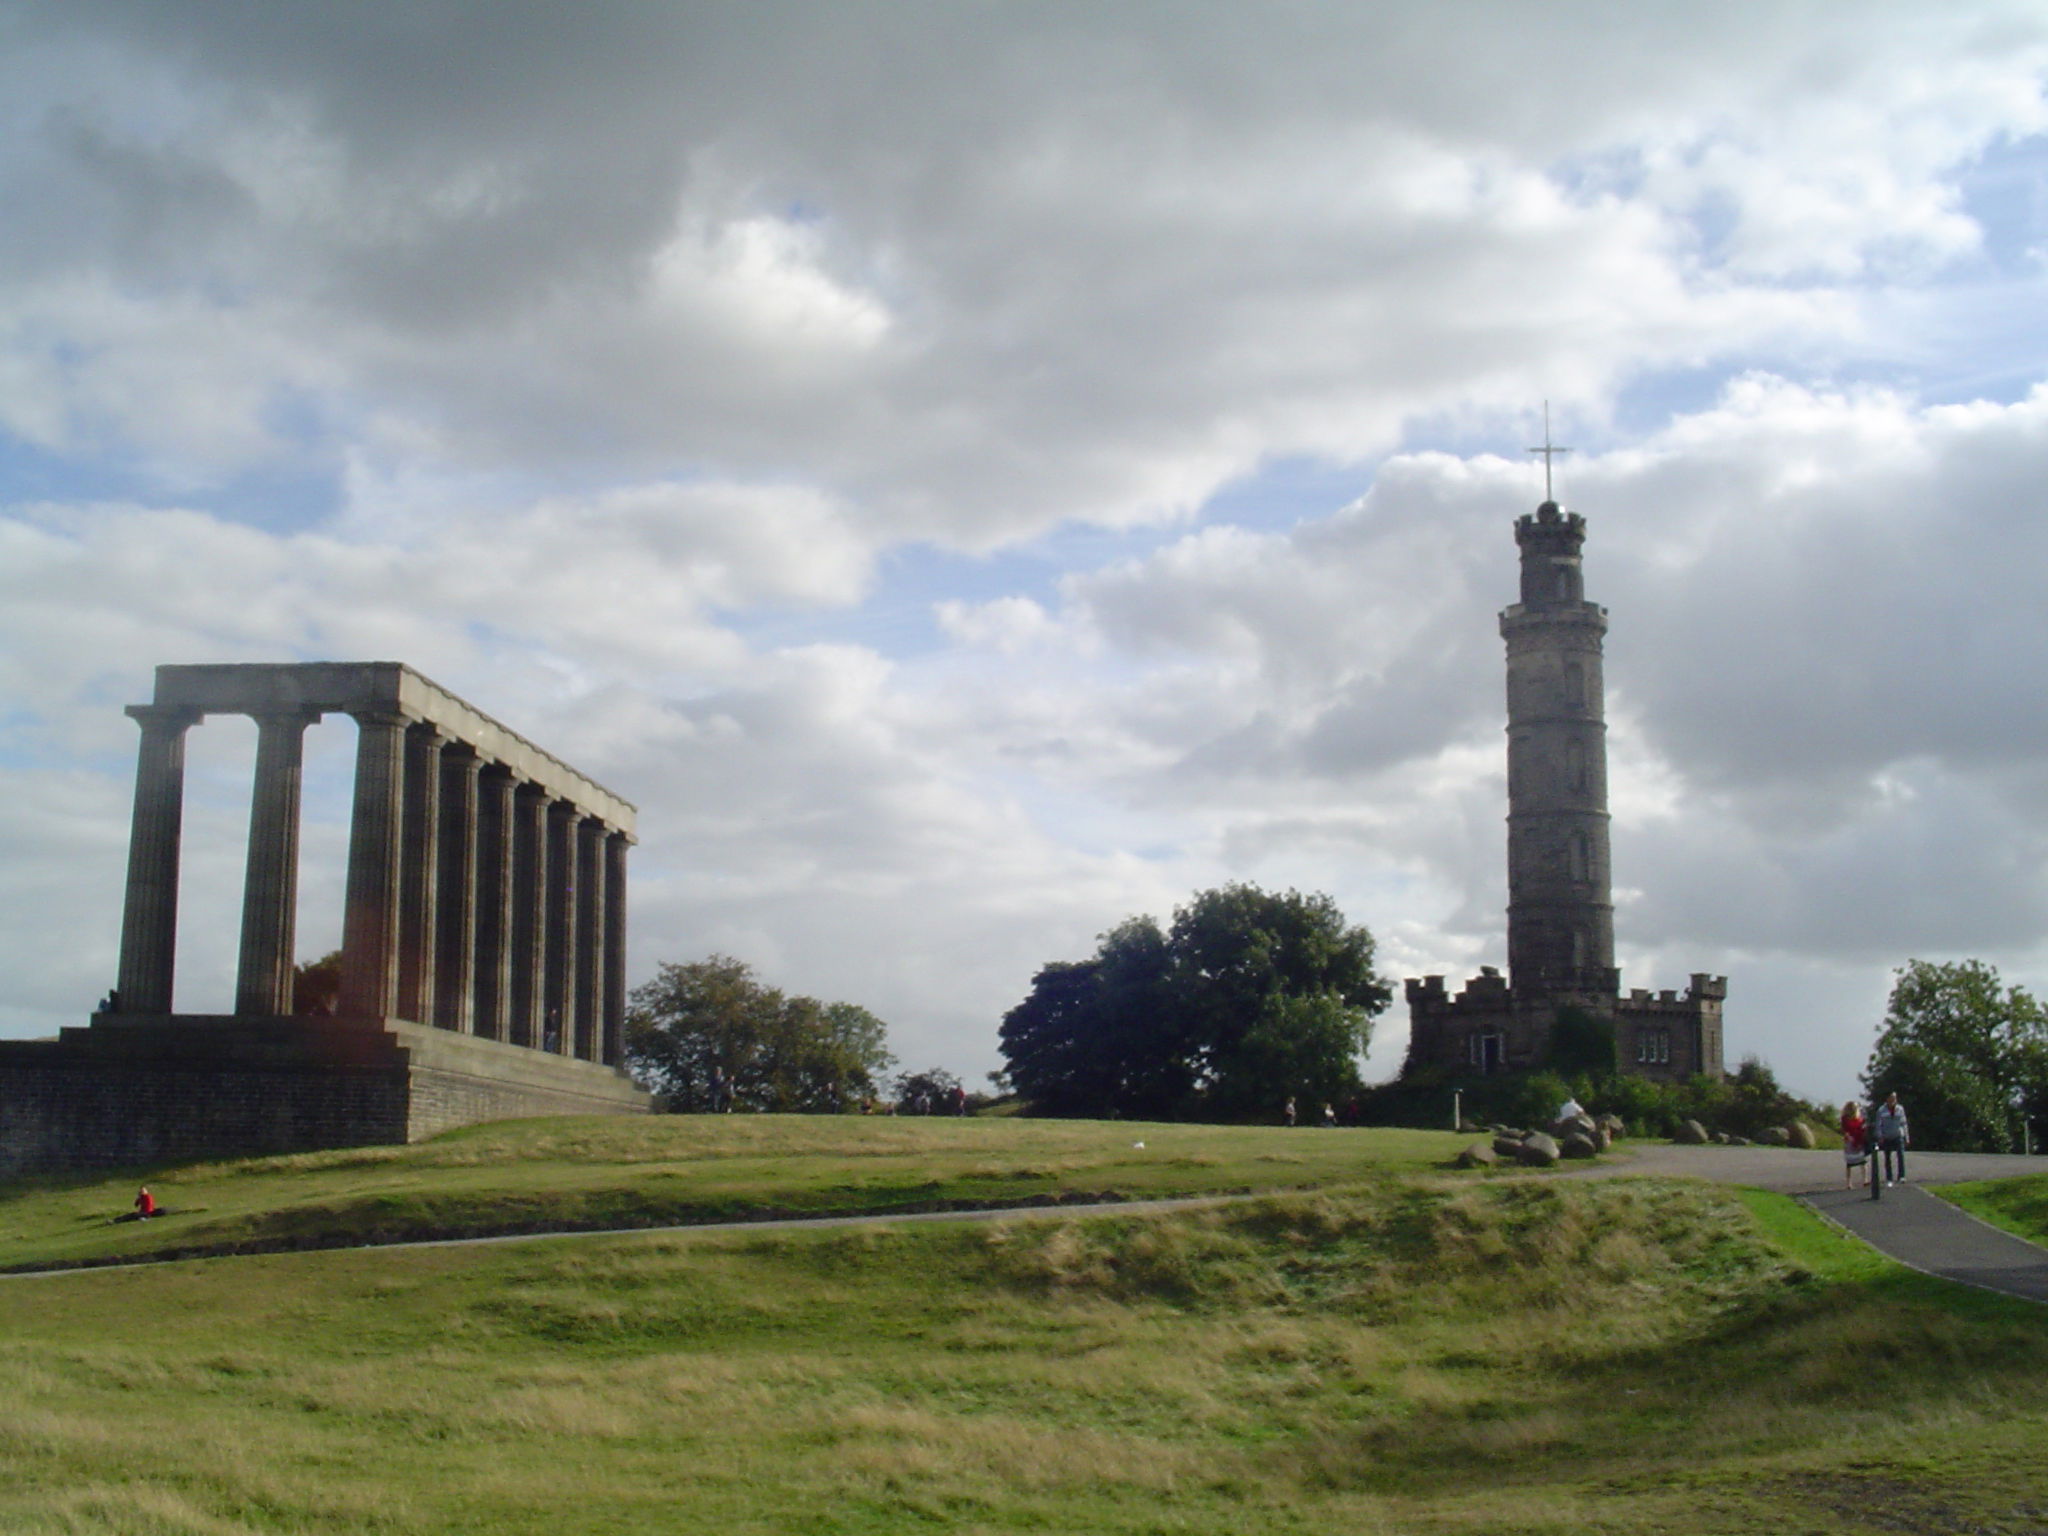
(589, 938)
(529, 897)
(369, 936)
(560, 993)
(149, 914)
(455, 960)
(494, 899)
(614, 1052)
(419, 883)
(270, 891)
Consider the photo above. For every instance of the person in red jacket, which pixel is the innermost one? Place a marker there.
(1855, 1145)
(145, 1204)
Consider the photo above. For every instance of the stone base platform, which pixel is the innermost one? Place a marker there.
(133, 1090)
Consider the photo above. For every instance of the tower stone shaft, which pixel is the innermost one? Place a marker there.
(1560, 883)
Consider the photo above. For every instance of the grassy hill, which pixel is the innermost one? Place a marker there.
(1397, 1351)
(606, 1172)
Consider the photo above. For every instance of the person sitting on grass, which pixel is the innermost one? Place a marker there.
(145, 1207)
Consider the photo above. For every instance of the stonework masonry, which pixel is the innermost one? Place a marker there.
(1560, 883)
(483, 949)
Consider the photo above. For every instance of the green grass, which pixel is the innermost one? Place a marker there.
(1410, 1354)
(585, 1174)
(2020, 1205)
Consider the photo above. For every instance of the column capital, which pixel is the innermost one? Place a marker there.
(164, 717)
(300, 715)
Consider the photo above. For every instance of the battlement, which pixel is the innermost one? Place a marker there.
(1551, 528)
(1704, 989)
(1489, 989)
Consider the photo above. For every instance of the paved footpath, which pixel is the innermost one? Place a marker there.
(1920, 1230)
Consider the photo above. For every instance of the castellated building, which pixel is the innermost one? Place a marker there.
(1560, 885)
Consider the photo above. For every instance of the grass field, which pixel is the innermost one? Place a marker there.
(1402, 1351)
(581, 1174)
(2018, 1205)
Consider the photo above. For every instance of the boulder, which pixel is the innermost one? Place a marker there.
(1801, 1134)
(1602, 1140)
(1537, 1151)
(1574, 1125)
(1777, 1136)
(1613, 1125)
(1579, 1144)
(1479, 1155)
(1508, 1143)
(1691, 1134)
(1738, 1141)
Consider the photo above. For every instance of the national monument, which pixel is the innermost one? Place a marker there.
(1560, 895)
(483, 942)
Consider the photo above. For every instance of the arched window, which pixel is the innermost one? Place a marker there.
(1575, 684)
(1581, 856)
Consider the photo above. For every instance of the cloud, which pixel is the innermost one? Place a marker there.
(979, 273)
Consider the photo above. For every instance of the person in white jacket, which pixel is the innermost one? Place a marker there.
(1888, 1126)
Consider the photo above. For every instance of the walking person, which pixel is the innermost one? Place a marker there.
(1893, 1137)
(1855, 1145)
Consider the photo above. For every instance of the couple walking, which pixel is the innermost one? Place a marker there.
(1863, 1143)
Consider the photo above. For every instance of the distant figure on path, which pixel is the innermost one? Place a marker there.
(1855, 1145)
(1893, 1137)
(1290, 1109)
(1330, 1116)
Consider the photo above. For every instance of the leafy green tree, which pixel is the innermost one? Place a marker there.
(1251, 997)
(316, 985)
(928, 1092)
(694, 1027)
(1967, 1056)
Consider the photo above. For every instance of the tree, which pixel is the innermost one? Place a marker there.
(1966, 1055)
(696, 1026)
(1249, 998)
(930, 1092)
(316, 985)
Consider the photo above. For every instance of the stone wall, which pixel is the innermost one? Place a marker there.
(141, 1092)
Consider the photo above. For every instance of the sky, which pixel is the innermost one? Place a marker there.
(970, 472)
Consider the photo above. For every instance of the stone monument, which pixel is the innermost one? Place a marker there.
(1560, 902)
(483, 942)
